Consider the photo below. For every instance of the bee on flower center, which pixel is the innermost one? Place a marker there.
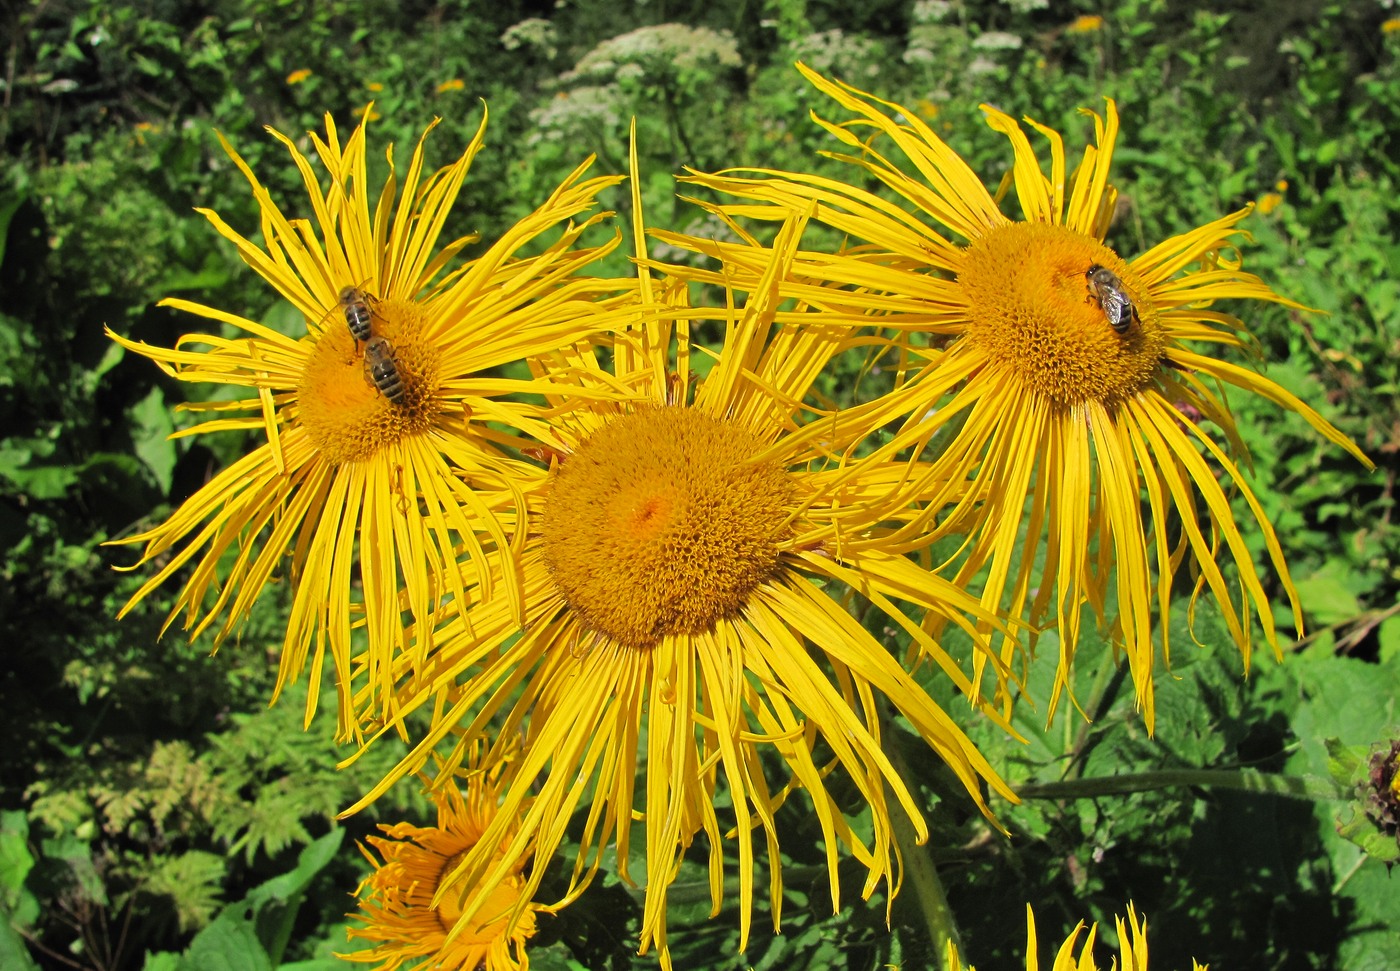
(1108, 291)
(355, 304)
(382, 371)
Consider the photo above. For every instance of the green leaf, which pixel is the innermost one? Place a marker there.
(229, 944)
(77, 854)
(153, 425)
(1362, 831)
(162, 961)
(110, 359)
(9, 205)
(16, 861)
(1234, 184)
(275, 902)
(211, 276)
(14, 954)
(1326, 598)
(1353, 702)
(35, 480)
(1389, 637)
(1347, 764)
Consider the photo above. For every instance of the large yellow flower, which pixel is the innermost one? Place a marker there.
(1068, 381)
(411, 904)
(689, 586)
(376, 452)
(1132, 948)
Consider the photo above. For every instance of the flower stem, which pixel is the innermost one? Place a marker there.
(919, 870)
(1312, 788)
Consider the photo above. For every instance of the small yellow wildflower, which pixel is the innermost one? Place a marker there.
(299, 75)
(1085, 24)
(1132, 946)
(414, 897)
(1391, 26)
(374, 87)
(1268, 202)
(456, 84)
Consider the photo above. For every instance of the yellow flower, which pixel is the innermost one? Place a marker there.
(374, 87)
(349, 473)
(688, 588)
(299, 75)
(1268, 202)
(1073, 379)
(411, 904)
(1085, 24)
(1132, 948)
(456, 84)
(1391, 26)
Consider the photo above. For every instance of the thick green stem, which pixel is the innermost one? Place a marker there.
(1247, 780)
(919, 870)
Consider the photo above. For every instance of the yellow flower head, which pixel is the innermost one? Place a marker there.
(411, 905)
(376, 451)
(698, 543)
(299, 75)
(1074, 380)
(1132, 948)
(1085, 24)
(455, 84)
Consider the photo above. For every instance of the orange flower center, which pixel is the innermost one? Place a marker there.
(487, 924)
(1037, 310)
(663, 522)
(356, 397)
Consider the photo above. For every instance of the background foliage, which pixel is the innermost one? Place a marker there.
(154, 805)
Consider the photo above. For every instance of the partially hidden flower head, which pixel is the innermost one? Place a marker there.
(690, 659)
(411, 904)
(1067, 381)
(1132, 948)
(376, 464)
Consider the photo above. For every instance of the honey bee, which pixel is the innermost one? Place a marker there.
(1108, 291)
(354, 302)
(381, 369)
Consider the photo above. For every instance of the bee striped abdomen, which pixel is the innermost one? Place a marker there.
(382, 370)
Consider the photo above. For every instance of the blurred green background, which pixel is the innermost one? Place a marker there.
(149, 793)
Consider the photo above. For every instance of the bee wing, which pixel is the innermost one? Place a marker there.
(1116, 306)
